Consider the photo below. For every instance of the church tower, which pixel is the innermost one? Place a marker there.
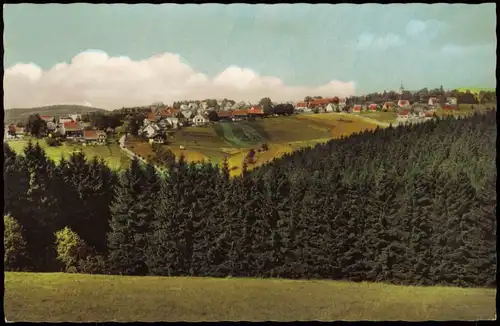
(401, 89)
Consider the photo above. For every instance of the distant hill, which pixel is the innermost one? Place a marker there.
(14, 115)
(475, 90)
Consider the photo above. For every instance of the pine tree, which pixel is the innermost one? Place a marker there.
(163, 256)
(127, 241)
(39, 215)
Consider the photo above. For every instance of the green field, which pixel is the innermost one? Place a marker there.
(56, 297)
(111, 153)
(475, 90)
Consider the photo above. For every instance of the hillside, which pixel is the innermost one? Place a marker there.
(73, 297)
(13, 115)
(233, 140)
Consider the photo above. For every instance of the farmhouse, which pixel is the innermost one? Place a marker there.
(172, 122)
(75, 116)
(389, 106)
(151, 117)
(356, 108)
(63, 120)
(330, 108)
(321, 102)
(403, 103)
(225, 115)
(72, 130)
(256, 111)
(187, 113)
(300, 106)
(240, 115)
(200, 120)
(13, 132)
(452, 100)
(150, 130)
(94, 136)
(403, 115)
(433, 101)
(372, 107)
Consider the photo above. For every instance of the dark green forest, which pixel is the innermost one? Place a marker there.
(412, 204)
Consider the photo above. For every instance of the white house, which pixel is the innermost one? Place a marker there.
(200, 120)
(433, 101)
(300, 106)
(188, 114)
(330, 108)
(75, 116)
(63, 120)
(173, 122)
(150, 130)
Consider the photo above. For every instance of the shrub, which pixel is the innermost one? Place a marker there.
(70, 248)
(93, 264)
(53, 142)
(265, 147)
(14, 244)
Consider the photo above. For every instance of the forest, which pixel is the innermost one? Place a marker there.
(410, 205)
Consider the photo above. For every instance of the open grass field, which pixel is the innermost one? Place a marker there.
(56, 297)
(386, 117)
(340, 124)
(111, 153)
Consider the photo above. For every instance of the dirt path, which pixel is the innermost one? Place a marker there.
(132, 155)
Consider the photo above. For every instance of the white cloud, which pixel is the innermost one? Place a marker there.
(459, 50)
(370, 41)
(113, 82)
(428, 29)
(415, 27)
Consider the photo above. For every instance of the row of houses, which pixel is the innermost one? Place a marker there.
(71, 130)
(335, 104)
(158, 122)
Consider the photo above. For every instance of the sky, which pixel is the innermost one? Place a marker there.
(112, 55)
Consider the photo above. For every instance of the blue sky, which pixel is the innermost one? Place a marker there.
(299, 46)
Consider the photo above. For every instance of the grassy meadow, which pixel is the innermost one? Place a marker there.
(111, 153)
(55, 297)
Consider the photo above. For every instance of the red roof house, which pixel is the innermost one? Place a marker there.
(372, 107)
(151, 117)
(240, 113)
(47, 118)
(94, 135)
(322, 101)
(72, 126)
(302, 105)
(356, 108)
(224, 114)
(403, 103)
(256, 110)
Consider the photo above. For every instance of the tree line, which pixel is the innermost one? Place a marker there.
(407, 205)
